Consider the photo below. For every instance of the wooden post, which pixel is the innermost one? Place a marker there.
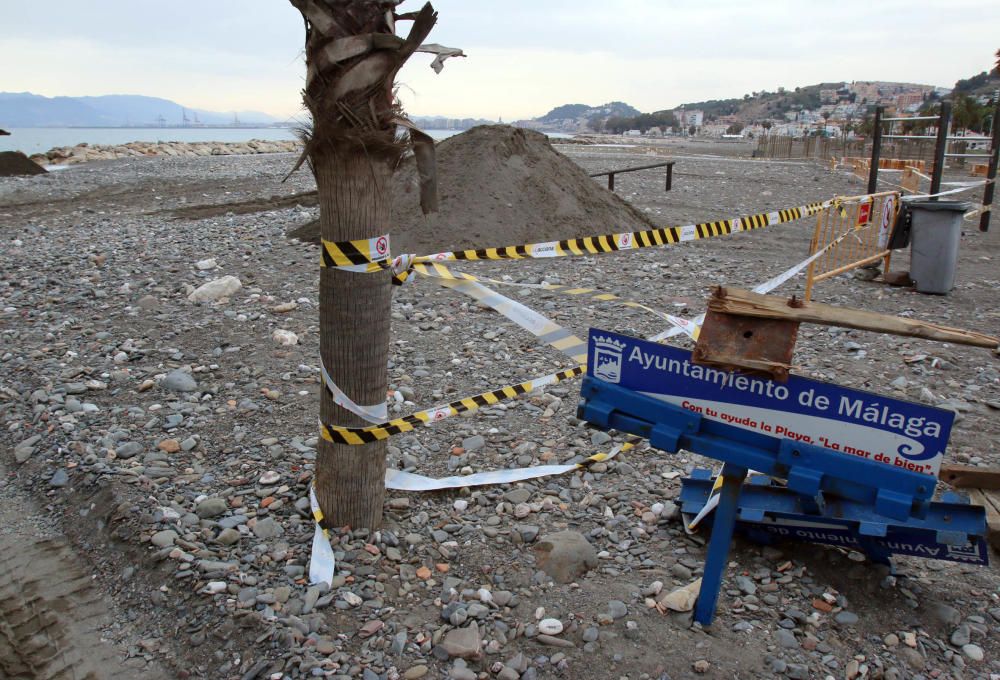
(940, 145)
(991, 172)
(876, 150)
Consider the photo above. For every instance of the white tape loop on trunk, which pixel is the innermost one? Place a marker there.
(376, 413)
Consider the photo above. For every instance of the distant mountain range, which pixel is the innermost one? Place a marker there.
(24, 109)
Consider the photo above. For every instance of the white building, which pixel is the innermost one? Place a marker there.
(690, 117)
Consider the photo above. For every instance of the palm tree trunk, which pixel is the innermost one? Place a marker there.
(352, 57)
(353, 151)
(354, 202)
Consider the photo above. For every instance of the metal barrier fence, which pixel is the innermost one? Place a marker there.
(668, 180)
(820, 148)
(825, 148)
(860, 228)
(861, 167)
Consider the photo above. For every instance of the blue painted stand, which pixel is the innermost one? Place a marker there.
(718, 550)
(814, 474)
(953, 529)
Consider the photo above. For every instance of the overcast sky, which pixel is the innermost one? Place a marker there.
(524, 56)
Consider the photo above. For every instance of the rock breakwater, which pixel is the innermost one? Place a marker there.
(83, 153)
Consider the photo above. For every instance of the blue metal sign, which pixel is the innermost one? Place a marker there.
(912, 543)
(853, 422)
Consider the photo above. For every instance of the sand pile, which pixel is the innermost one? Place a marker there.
(14, 163)
(499, 186)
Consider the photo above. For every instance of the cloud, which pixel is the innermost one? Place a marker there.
(525, 56)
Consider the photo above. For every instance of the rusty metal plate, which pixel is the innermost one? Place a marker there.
(748, 344)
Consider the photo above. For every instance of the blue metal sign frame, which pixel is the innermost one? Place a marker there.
(952, 530)
(655, 392)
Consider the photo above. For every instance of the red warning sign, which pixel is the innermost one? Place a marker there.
(864, 213)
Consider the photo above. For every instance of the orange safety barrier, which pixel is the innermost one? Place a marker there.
(886, 163)
(860, 228)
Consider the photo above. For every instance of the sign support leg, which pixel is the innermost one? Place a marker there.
(718, 545)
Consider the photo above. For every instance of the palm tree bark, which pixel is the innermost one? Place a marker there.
(352, 56)
(354, 335)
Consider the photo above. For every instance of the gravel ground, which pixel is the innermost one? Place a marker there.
(172, 444)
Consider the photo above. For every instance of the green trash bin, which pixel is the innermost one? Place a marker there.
(934, 237)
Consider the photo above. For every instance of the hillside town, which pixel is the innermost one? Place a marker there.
(841, 110)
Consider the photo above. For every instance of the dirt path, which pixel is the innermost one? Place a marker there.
(52, 617)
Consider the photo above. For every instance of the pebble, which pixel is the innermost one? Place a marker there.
(461, 673)
(518, 496)
(284, 337)
(128, 450)
(228, 536)
(267, 528)
(474, 443)
(216, 290)
(162, 539)
(211, 507)
(550, 626)
(617, 609)
(786, 638)
(845, 618)
(911, 657)
(973, 652)
(463, 643)
(179, 381)
(169, 446)
(746, 586)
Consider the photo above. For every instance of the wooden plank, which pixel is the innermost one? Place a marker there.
(746, 303)
(969, 477)
(992, 517)
(993, 496)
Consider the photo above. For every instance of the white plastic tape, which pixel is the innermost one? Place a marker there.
(322, 562)
(538, 325)
(375, 414)
(408, 481)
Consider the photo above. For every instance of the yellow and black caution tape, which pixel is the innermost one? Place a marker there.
(366, 254)
(373, 255)
(650, 238)
(355, 436)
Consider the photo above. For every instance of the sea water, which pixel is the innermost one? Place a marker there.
(40, 140)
